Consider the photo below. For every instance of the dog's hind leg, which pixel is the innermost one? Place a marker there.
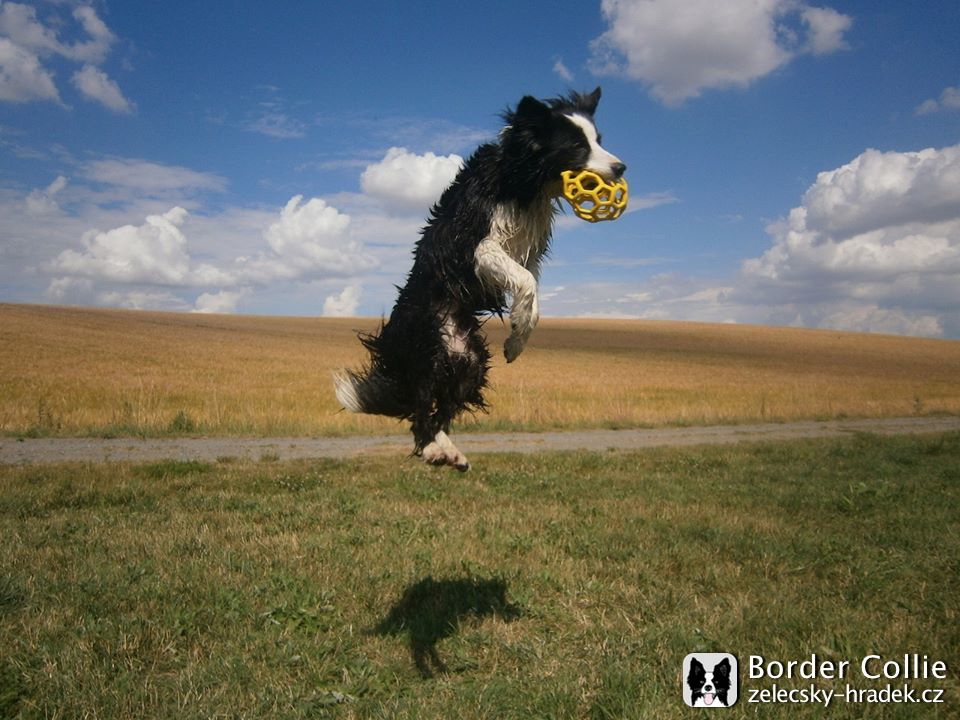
(442, 451)
(429, 425)
(455, 383)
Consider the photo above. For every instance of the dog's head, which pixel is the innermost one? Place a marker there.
(709, 686)
(543, 138)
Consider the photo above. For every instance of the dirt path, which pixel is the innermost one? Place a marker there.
(44, 450)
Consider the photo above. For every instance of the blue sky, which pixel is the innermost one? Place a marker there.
(790, 163)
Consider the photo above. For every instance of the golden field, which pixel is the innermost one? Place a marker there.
(77, 371)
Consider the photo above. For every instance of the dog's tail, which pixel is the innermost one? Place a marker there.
(367, 392)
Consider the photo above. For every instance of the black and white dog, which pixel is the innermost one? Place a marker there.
(483, 242)
(709, 686)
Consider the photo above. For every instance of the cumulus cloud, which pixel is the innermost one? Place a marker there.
(409, 181)
(26, 43)
(309, 240)
(152, 253)
(344, 304)
(171, 259)
(97, 86)
(882, 189)
(875, 245)
(678, 48)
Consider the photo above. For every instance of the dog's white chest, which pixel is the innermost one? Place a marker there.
(522, 233)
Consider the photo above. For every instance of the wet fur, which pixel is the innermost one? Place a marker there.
(482, 244)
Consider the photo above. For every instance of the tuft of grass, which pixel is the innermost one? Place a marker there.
(182, 424)
(168, 469)
(554, 585)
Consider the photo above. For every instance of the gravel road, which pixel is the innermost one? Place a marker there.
(50, 450)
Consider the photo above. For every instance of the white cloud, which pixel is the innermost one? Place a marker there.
(871, 318)
(225, 301)
(875, 245)
(306, 228)
(22, 77)
(83, 291)
(143, 300)
(409, 181)
(678, 48)
(310, 240)
(343, 305)
(151, 179)
(562, 71)
(67, 290)
(883, 189)
(19, 23)
(42, 202)
(410, 132)
(277, 125)
(152, 264)
(26, 43)
(152, 253)
(94, 50)
(827, 27)
(663, 296)
(97, 86)
(949, 100)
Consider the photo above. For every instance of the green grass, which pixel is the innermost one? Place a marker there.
(546, 586)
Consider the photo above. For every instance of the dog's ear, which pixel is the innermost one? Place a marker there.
(722, 669)
(531, 111)
(592, 100)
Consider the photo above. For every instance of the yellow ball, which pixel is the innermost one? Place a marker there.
(592, 198)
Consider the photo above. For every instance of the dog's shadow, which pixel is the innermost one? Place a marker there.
(431, 610)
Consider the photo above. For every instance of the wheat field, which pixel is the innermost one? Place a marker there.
(79, 371)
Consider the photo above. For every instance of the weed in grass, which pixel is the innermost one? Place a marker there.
(182, 424)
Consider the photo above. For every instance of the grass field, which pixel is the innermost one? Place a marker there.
(105, 372)
(549, 586)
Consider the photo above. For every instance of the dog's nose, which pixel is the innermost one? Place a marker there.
(708, 688)
(618, 170)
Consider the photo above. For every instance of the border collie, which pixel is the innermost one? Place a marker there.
(710, 687)
(483, 242)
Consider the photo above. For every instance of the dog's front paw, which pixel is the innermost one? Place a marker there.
(513, 347)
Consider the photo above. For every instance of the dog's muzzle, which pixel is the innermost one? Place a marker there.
(592, 198)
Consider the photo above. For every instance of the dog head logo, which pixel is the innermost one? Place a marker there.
(710, 680)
